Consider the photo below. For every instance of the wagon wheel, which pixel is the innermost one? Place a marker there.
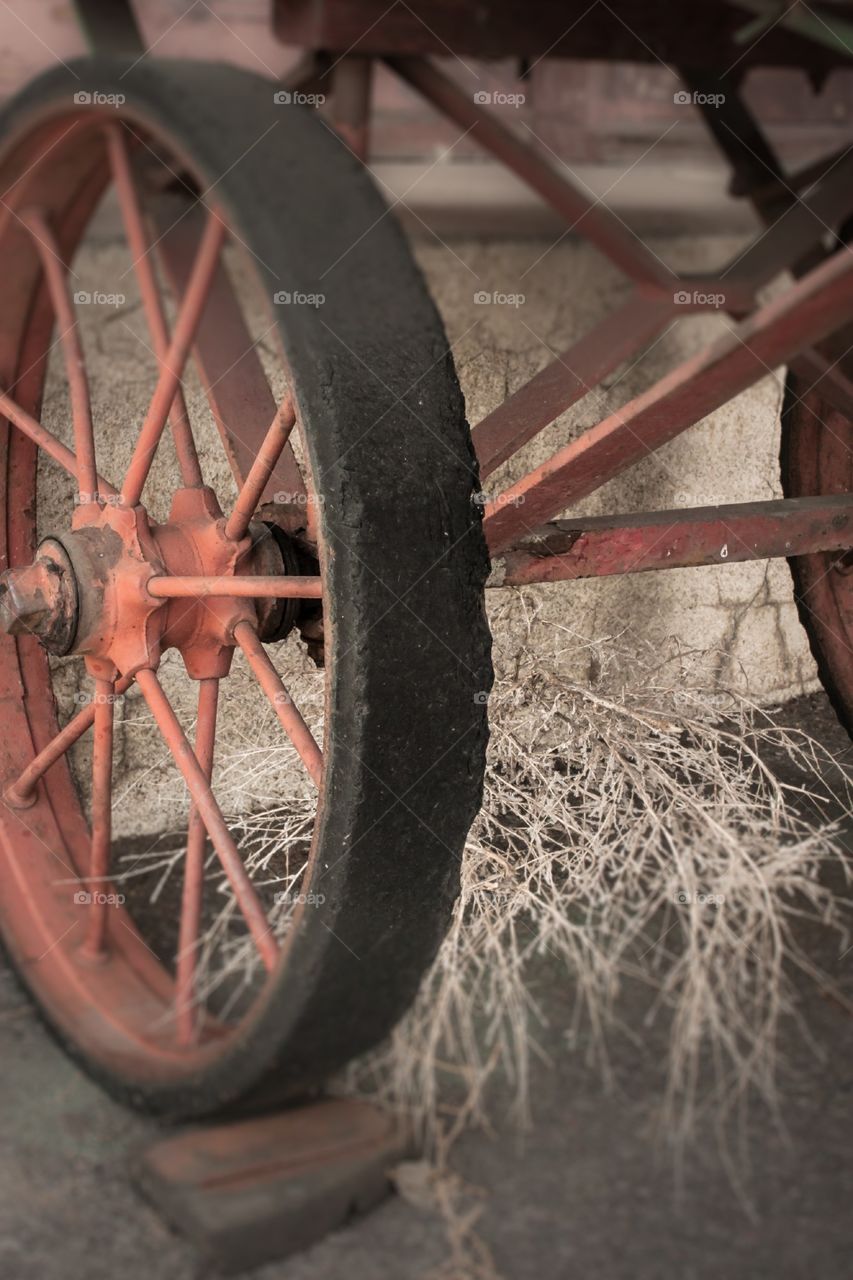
(817, 458)
(375, 526)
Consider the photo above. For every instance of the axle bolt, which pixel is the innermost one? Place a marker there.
(40, 599)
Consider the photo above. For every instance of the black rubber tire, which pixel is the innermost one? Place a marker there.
(408, 647)
(813, 434)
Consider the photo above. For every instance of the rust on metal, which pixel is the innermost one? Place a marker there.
(40, 599)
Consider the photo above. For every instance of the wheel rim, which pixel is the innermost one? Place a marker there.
(402, 560)
(817, 458)
(102, 980)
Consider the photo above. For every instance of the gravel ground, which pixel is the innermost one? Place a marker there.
(589, 1191)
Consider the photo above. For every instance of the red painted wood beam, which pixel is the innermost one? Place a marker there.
(603, 545)
(619, 31)
(828, 378)
(588, 217)
(810, 310)
(567, 379)
(801, 228)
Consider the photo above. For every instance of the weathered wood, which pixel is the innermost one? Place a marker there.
(623, 31)
(260, 1189)
(600, 546)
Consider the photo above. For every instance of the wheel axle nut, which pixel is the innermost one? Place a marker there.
(40, 599)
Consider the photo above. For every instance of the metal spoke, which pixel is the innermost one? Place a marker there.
(285, 708)
(45, 440)
(172, 364)
(261, 470)
(102, 800)
(152, 302)
(298, 588)
(75, 366)
(191, 899)
(20, 793)
(204, 799)
(228, 363)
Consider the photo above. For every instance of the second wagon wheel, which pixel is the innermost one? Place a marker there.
(264, 957)
(817, 458)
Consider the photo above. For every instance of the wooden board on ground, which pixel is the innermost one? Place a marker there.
(253, 1190)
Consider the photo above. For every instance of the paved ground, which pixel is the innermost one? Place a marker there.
(589, 1192)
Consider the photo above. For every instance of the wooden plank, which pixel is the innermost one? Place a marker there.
(567, 379)
(621, 31)
(259, 1189)
(816, 306)
(601, 546)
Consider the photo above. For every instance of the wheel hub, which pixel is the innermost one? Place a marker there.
(88, 590)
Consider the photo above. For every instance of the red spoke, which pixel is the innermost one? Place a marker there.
(285, 708)
(102, 802)
(75, 367)
(45, 439)
(172, 588)
(229, 366)
(20, 793)
(191, 900)
(152, 302)
(199, 788)
(172, 365)
(261, 471)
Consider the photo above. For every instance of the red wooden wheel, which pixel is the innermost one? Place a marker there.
(817, 458)
(395, 562)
